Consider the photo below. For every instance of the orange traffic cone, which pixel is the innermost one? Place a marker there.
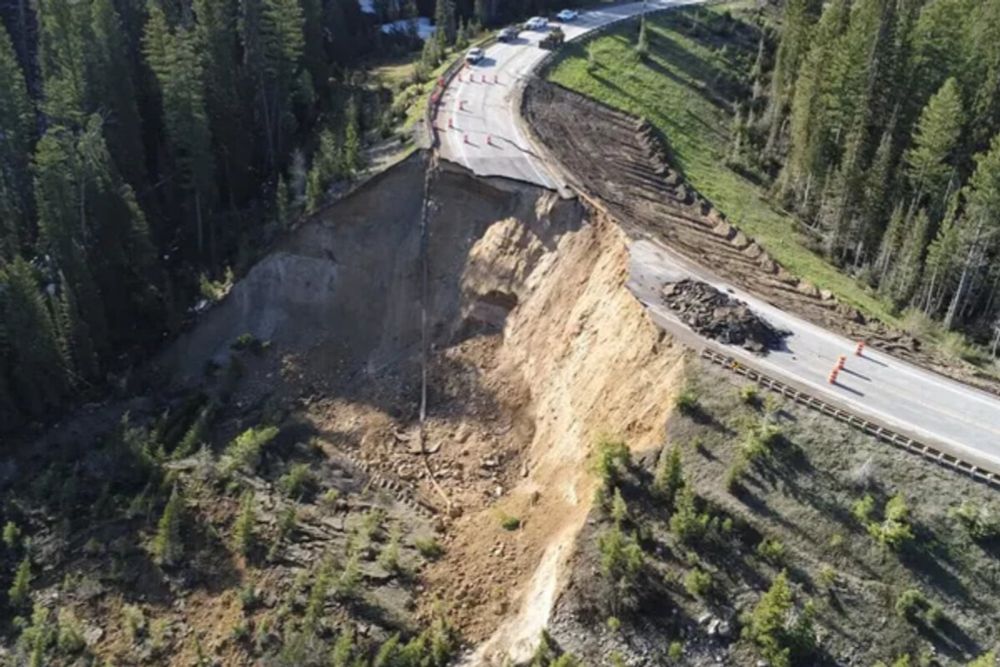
(489, 139)
(841, 362)
(859, 350)
(496, 78)
(451, 123)
(465, 138)
(832, 379)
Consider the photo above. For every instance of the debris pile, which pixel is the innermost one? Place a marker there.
(720, 317)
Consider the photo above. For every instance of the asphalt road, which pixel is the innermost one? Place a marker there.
(485, 135)
(478, 121)
(930, 408)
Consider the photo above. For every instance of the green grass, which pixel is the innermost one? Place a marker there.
(673, 89)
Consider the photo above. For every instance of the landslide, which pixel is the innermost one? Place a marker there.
(535, 350)
(626, 164)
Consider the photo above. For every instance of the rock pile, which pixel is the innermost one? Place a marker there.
(718, 316)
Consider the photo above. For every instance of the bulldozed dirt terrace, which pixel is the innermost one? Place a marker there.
(624, 163)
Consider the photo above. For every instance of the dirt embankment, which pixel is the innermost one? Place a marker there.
(624, 162)
(536, 348)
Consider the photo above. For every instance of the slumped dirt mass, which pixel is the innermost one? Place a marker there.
(536, 350)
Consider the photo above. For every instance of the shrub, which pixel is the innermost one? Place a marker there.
(698, 583)
(735, 473)
(619, 508)
(783, 639)
(985, 660)
(894, 532)
(429, 548)
(772, 550)
(349, 582)
(675, 651)
(329, 498)
(613, 459)
(167, 545)
(980, 523)
(286, 524)
(687, 402)
(134, 620)
(669, 478)
(11, 535)
(863, 509)
(244, 452)
(687, 523)
(389, 557)
(911, 604)
(622, 561)
(298, 482)
(69, 637)
(508, 522)
(761, 439)
(750, 395)
(827, 576)
(20, 589)
(244, 529)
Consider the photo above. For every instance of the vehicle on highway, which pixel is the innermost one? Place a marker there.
(507, 34)
(567, 15)
(554, 39)
(474, 55)
(536, 23)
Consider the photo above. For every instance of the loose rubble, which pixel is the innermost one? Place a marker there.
(720, 317)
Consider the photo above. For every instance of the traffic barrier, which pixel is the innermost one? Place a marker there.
(871, 428)
(859, 350)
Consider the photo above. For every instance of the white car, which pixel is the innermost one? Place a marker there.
(474, 55)
(536, 23)
(567, 15)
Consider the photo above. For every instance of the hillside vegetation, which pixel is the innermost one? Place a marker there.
(763, 530)
(718, 84)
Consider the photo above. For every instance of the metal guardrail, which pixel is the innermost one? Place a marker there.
(871, 428)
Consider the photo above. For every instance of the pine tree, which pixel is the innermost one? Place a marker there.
(17, 125)
(935, 139)
(174, 59)
(244, 529)
(444, 21)
(352, 139)
(168, 546)
(109, 86)
(904, 275)
(37, 377)
(797, 21)
(20, 589)
(669, 479)
(481, 11)
(981, 231)
(224, 90)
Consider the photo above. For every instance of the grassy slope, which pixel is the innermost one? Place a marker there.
(802, 495)
(672, 89)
